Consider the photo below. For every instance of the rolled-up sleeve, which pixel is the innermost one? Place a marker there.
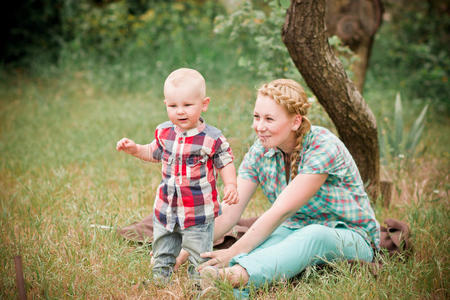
(249, 165)
(156, 148)
(321, 158)
(222, 153)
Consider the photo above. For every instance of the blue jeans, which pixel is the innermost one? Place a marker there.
(287, 252)
(167, 245)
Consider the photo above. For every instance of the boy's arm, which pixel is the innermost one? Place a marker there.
(144, 152)
(228, 175)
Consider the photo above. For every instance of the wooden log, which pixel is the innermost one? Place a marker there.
(20, 282)
(386, 187)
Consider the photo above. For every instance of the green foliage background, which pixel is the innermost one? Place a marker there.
(411, 52)
(150, 36)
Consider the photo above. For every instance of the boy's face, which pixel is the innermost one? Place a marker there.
(184, 106)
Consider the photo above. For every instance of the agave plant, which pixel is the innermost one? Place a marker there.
(396, 142)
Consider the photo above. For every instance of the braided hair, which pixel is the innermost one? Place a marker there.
(289, 94)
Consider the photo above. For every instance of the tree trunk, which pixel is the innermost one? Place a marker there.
(304, 35)
(355, 22)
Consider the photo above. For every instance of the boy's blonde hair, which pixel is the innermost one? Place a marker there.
(189, 78)
(290, 94)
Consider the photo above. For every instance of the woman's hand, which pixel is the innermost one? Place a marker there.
(218, 258)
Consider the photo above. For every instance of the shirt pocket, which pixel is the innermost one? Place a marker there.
(196, 169)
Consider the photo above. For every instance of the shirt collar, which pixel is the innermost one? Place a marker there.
(193, 131)
(271, 152)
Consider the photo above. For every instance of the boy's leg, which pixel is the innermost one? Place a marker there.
(166, 247)
(196, 240)
(307, 246)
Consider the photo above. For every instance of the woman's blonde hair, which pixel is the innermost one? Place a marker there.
(290, 94)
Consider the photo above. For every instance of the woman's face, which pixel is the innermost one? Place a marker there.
(273, 125)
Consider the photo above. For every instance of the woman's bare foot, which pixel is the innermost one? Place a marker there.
(207, 277)
(235, 275)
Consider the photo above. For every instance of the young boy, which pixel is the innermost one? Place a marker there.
(191, 151)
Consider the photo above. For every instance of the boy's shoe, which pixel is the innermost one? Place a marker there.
(158, 279)
(192, 272)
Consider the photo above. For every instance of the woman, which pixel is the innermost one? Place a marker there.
(320, 211)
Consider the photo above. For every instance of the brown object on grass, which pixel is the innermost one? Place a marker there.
(20, 282)
(394, 237)
(142, 232)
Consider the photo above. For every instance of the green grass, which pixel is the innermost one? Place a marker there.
(60, 173)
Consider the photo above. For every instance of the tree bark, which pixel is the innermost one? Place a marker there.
(355, 22)
(304, 35)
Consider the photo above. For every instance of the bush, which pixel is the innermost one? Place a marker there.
(125, 45)
(256, 35)
(410, 52)
(396, 143)
(31, 30)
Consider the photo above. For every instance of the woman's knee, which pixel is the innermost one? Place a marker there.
(314, 228)
(317, 232)
(318, 236)
(334, 242)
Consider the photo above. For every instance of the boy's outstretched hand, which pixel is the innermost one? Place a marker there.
(126, 145)
(230, 195)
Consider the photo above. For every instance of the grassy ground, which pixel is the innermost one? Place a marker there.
(60, 174)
